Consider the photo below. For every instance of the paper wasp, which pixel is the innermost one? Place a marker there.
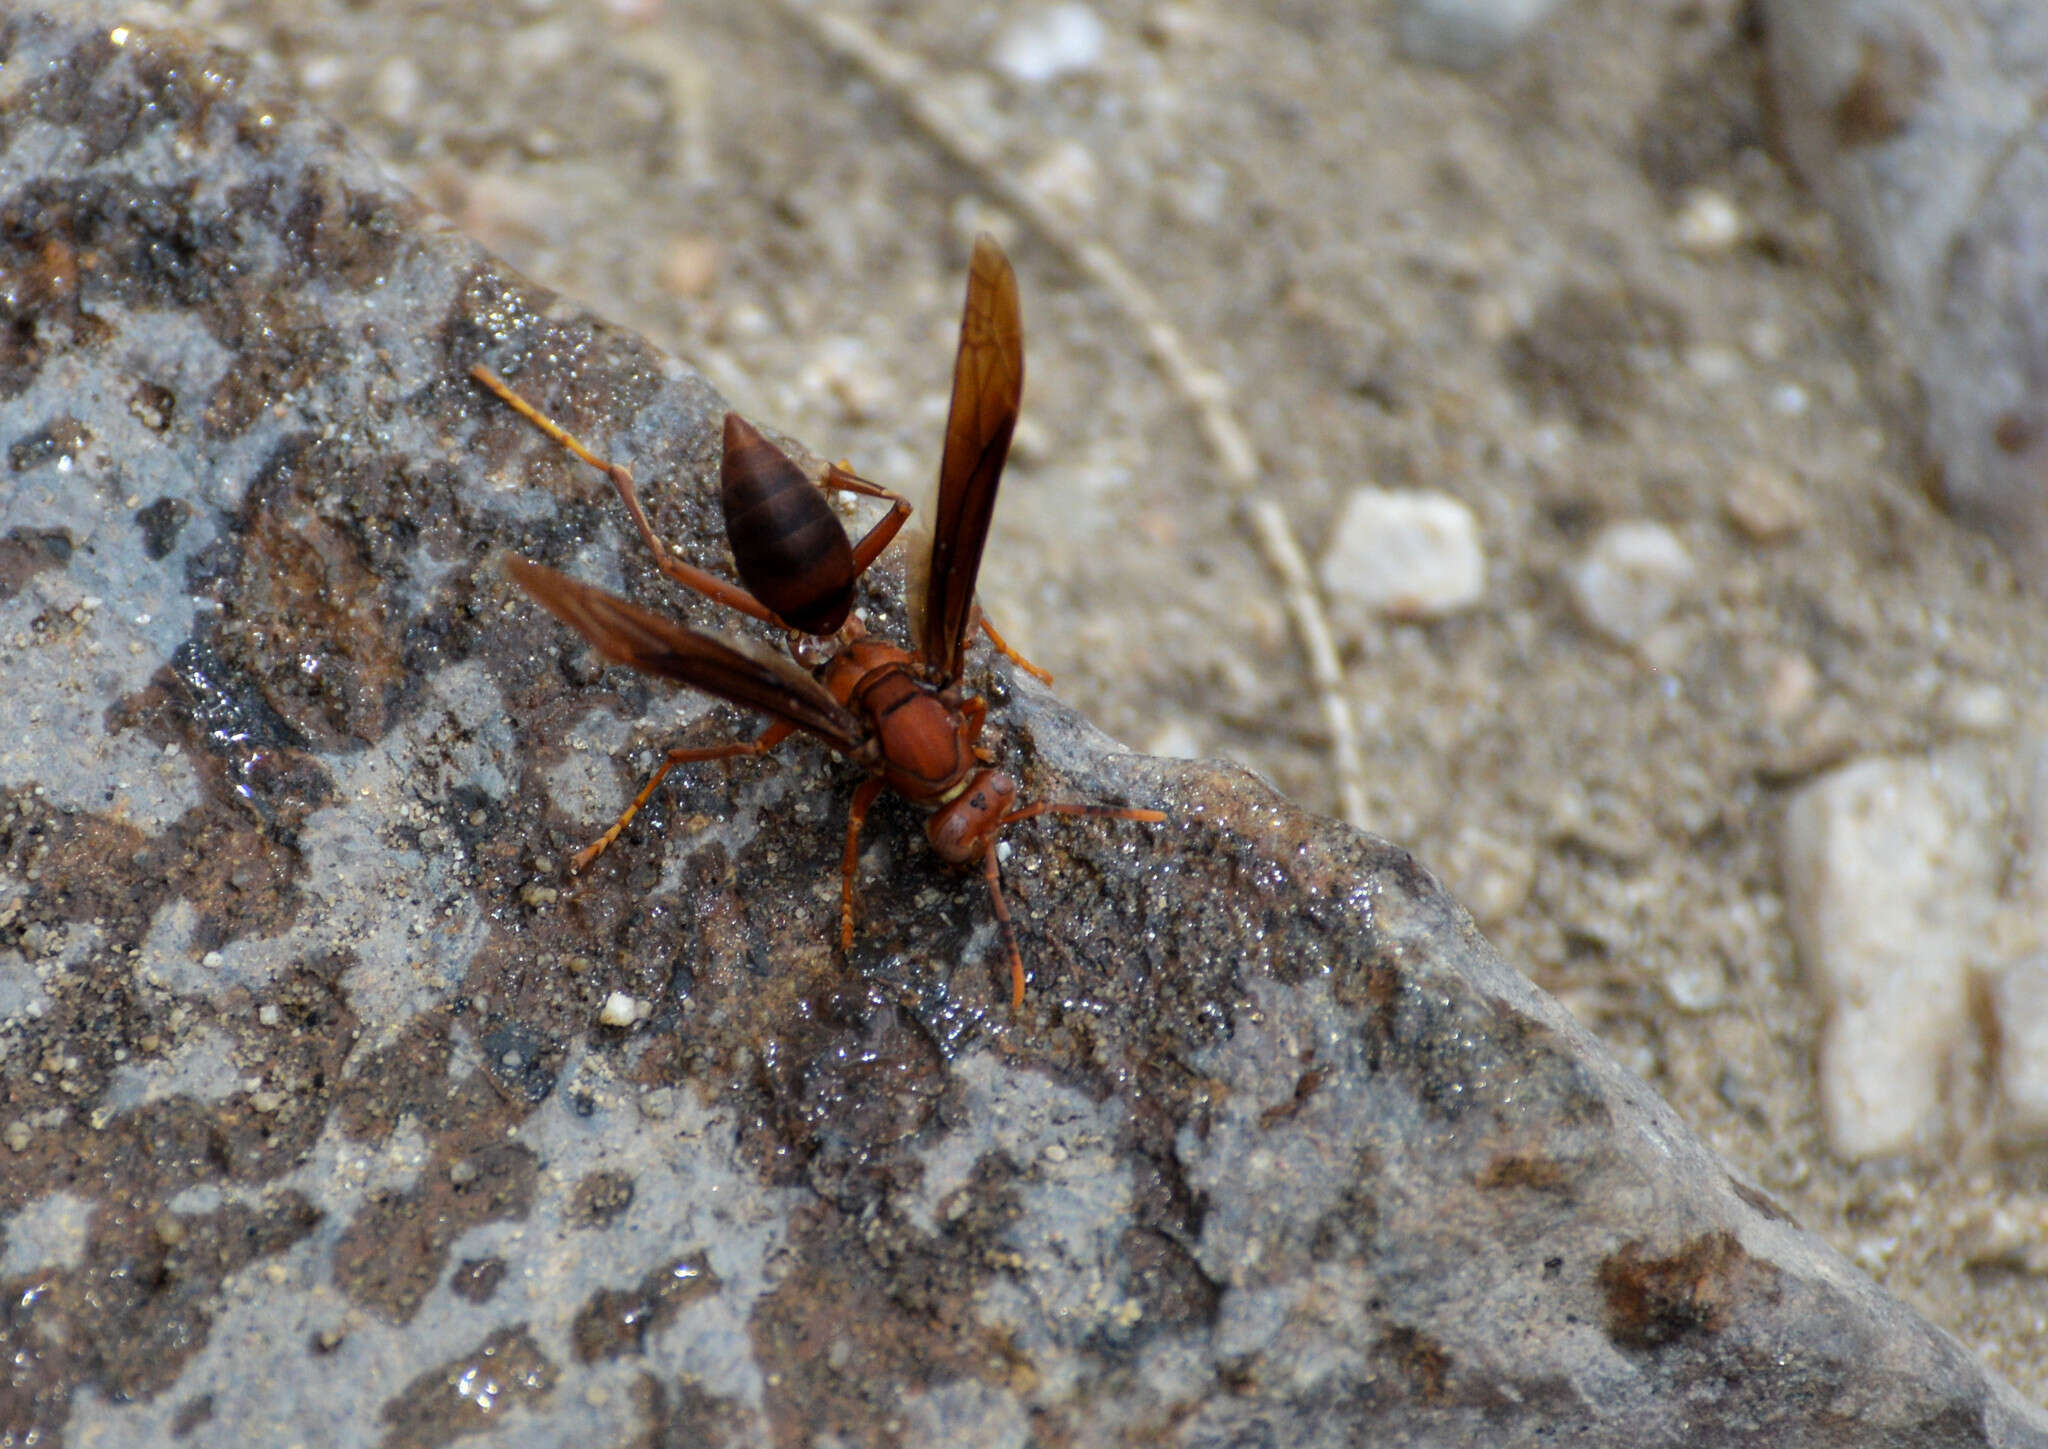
(900, 714)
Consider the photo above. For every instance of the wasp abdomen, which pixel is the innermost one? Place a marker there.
(788, 546)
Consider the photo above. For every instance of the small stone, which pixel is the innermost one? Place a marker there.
(1766, 505)
(1067, 179)
(1034, 49)
(1791, 688)
(1890, 871)
(268, 1015)
(1409, 555)
(658, 1104)
(535, 895)
(1714, 364)
(396, 88)
(1980, 708)
(18, 1136)
(463, 1172)
(1696, 986)
(1175, 740)
(1708, 223)
(1629, 579)
(689, 267)
(1465, 34)
(620, 1009)
(266, 1102)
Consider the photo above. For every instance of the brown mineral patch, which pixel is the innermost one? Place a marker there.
(689, 1417)
(136, 1309)
(475, 1280)
(1654, 1301)
(61, 437)
(1422, 1362)
(392, 1254)
(310, 621)
(469, 1394)
(161, 522)
(1893, 77)
(618, 1321)
(600, 1199)
(1523, 1169)
(1166, 1282)
(26, 552)
(867, 1309)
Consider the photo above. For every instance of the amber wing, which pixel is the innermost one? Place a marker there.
(988, 384)
(627, 634)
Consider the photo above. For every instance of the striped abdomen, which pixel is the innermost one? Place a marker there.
(788, 545)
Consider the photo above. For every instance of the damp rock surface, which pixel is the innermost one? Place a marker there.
(324, 1137)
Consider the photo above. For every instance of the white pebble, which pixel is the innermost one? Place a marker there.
(1062, 41)
(1465, 34)
(1789, 399)
(1889, 873)
(396, 89)
(1708, 223)
(620, 1009)
(1980, 708)
(1630, 578)
(1411, 555)
(1067, 179)
(1175, 740)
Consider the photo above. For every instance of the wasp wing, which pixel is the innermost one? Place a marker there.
(739, 673)
(988, 385)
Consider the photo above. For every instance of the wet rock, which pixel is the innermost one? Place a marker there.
(1279, 1150)
(1917, 125)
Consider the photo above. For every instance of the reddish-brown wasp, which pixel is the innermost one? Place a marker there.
(901, 715)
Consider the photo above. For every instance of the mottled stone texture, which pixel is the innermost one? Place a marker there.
(1919, 124)
(310, 1130)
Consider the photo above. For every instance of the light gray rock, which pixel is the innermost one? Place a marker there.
(1917, 123)
(1890, 877)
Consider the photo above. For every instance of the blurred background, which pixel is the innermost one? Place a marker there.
(1655, 559)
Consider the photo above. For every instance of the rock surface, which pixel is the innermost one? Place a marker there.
(1919, 124)
(312, 1130)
